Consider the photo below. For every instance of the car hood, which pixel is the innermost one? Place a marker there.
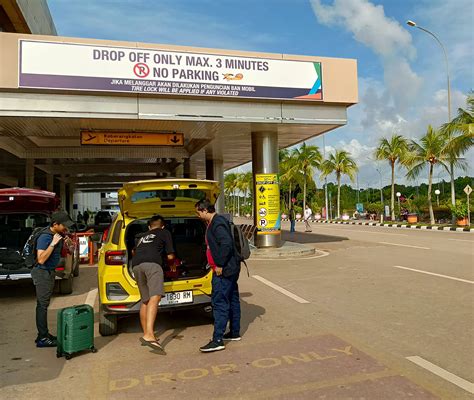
(167, 197)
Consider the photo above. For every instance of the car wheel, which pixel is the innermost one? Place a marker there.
(65, 285)
(108, 323)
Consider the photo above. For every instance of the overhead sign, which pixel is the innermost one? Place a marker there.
(131, 139)
(74, 66)
(468, 190)
(267, 194)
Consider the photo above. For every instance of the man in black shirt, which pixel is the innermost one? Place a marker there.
(147, 265)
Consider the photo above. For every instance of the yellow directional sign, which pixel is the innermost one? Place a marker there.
(131, 139)
(267, 195)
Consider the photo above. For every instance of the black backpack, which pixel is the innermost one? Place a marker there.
(241, 244)
(29, 252)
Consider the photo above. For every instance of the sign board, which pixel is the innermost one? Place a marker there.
(468, 190)
(387, 211)
(360, 207)
(83, 246)
(88, 67)
(131, 139)
(267, 194)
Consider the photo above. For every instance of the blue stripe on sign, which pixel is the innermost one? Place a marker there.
(316, 86)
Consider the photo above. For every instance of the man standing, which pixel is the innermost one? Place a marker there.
(292, 218)
(48, 248)
(221, 256)
(307, 215)
(147, 265)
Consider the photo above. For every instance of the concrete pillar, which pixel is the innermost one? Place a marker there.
(50, 182)
(179, 170)
(218, 175)
(71, 210)
(187, 168)
(267, 200)
(30, 173)
(62, 193)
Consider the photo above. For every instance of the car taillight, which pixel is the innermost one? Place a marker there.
(104, 235)
(116, 257)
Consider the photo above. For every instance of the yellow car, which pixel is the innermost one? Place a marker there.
(174, 199)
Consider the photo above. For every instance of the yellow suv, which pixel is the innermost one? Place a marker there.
(174, 199)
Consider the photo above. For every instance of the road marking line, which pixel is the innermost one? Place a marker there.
(91, 297)
(450, 377)
(462, 240)
(406, 245)
(281, 290)
(432, 273)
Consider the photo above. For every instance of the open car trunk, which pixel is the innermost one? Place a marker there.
(15, 229)
(189, 243)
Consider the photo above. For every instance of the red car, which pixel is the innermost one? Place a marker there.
(21, 211)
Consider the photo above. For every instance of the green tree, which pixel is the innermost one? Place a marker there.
(339, 163)
(306, 159)
(429, 150)
(392, 150)
(230, 185)
(459, 133)
(288, 172)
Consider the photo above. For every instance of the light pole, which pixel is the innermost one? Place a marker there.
(414, 25)
(399, 209)
(437, 192)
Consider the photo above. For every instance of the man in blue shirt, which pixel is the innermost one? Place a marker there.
(48, 247)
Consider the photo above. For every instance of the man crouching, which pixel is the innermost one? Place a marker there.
(147, 265)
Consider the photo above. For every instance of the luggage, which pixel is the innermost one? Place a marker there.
(75, 330)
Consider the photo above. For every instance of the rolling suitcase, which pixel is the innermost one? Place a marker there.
(75, 330)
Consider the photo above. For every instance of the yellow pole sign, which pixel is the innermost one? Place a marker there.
(267, 197)
(131, 139)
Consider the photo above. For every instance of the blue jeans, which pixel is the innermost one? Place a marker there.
(292, 226)
(225, 306)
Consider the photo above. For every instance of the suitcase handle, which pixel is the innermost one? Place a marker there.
(83, 327)
(81, 310)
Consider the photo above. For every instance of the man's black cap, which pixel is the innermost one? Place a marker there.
(62, 217)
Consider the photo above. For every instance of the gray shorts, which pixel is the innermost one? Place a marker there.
(149, 277)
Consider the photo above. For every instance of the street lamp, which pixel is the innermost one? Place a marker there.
(399, 209)
(414, 25)
(437, 192)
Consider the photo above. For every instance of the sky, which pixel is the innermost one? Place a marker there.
(401, 70)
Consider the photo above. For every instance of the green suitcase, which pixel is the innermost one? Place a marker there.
(75, 330)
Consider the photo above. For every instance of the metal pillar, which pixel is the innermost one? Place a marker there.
(30, 173)
(264, 161)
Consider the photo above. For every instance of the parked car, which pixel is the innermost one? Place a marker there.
(22, 211)
(104, 217)
(174, 199)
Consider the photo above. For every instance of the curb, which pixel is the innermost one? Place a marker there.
(423, 227)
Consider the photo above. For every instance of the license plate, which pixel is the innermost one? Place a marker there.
(177, 298)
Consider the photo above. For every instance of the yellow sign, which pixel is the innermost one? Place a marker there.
(267, 194)
(131, 139)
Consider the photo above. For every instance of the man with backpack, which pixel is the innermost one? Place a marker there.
(225, 262)
(47, 246)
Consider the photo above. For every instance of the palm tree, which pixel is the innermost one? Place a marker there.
(431, 150)
(230, 181)
(392, 149)
(306, 158)
(288, 171)
(460, 133)
(340, 163)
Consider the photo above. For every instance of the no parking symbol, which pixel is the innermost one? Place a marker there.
(141, 70)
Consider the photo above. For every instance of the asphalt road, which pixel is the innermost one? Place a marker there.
(384, 313)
